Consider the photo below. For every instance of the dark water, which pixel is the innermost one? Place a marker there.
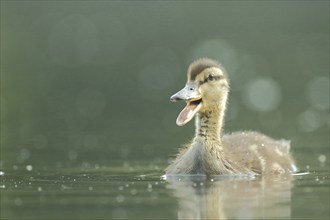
(87, 126)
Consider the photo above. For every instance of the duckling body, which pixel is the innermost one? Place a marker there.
(210, 152)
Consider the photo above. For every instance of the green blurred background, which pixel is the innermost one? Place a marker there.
(87, 83)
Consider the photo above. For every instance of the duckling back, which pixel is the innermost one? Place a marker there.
(259, 153)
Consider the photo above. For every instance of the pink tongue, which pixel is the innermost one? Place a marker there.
(187, 113)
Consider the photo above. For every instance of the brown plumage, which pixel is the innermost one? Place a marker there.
(198, 66)
(210, 152)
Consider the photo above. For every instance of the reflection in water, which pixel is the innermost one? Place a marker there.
(233, 198)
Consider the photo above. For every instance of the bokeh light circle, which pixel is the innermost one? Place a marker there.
(318, 92)
(262, 95)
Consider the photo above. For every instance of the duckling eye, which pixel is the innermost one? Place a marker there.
(210, 77)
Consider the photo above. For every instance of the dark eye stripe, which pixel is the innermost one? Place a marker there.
(207, 79)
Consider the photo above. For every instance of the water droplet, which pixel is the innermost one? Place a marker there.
(120, 198)
(2, 173)
(29, 167)
(39, 189)
(149, 187)
(322, 158)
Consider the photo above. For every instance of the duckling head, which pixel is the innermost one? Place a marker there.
(206, 89)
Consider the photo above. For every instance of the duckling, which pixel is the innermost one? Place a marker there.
(212, 153)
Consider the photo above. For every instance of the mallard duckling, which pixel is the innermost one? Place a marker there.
(210, 152)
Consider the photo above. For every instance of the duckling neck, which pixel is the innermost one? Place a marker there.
(209, 124)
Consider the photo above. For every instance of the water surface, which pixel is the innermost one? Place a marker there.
(122, 193)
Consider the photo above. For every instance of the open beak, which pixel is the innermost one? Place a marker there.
(191, 95)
